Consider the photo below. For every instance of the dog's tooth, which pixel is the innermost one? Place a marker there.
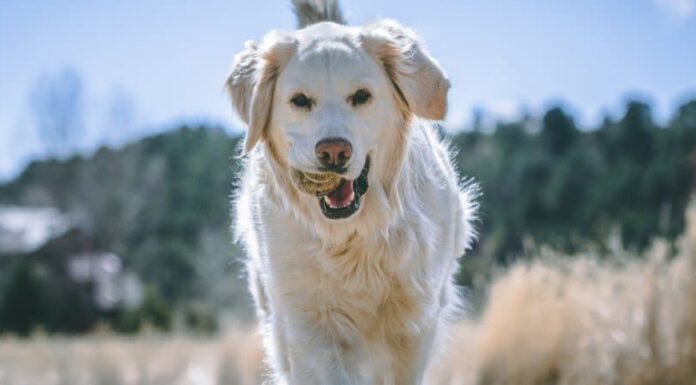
(352, 196)
(329, 202)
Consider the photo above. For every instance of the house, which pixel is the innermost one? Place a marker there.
(71, 278)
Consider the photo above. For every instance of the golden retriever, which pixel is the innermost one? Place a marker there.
(353, 286)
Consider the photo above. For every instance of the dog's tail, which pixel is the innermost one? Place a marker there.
(309, 12)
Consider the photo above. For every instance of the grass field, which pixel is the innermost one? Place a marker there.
(582, 321)
(146, 360)
(626, 321)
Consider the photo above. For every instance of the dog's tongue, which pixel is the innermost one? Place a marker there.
(343, 195)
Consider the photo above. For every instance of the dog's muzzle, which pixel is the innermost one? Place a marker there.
(338, 198)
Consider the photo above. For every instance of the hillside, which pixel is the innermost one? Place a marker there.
(162, 203)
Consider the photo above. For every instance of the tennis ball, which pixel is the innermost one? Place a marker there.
(316, 184)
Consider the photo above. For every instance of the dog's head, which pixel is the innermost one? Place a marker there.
(336, 99)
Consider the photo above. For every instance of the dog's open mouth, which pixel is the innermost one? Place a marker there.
(344, 200)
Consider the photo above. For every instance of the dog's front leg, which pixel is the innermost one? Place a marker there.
(318, 363)
(410, 354)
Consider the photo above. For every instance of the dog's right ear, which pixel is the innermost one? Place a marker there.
(252, 82)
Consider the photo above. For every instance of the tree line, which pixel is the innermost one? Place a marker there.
(163, 203)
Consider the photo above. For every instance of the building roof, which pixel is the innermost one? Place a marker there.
(25, 229)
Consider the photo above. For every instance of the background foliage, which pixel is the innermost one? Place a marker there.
(162, 203)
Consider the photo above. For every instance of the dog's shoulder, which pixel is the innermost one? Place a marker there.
(442, 191)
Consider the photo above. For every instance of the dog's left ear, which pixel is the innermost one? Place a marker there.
(417, 77)
(252, 82)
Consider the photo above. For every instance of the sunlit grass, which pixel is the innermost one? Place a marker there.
(624, 321)
(143, 360)
(627, 320)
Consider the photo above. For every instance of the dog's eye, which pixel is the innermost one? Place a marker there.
(361, 96)
(302, 101)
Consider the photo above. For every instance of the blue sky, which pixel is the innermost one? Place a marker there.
(166, 60)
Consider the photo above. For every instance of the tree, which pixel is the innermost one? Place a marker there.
(23, 307)
(558, 131)
(57, 103)
(120, 116)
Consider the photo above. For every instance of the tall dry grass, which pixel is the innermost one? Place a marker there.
(581, 321)
(145, 360)
(584, 321)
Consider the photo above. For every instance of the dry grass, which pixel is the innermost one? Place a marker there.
(147, 360)
(579, 321)
(574, 321)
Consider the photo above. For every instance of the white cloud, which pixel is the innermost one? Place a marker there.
(679, 9)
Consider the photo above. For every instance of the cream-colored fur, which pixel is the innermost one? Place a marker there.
(359, 300)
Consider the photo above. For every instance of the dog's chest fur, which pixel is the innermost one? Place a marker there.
(360, 289)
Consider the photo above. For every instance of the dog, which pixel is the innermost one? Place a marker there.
(354, 286)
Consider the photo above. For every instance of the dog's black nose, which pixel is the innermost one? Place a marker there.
(333, 153)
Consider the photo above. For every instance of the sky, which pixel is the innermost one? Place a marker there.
(155, 64)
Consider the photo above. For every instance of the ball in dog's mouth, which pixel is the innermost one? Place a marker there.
(338, 197)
